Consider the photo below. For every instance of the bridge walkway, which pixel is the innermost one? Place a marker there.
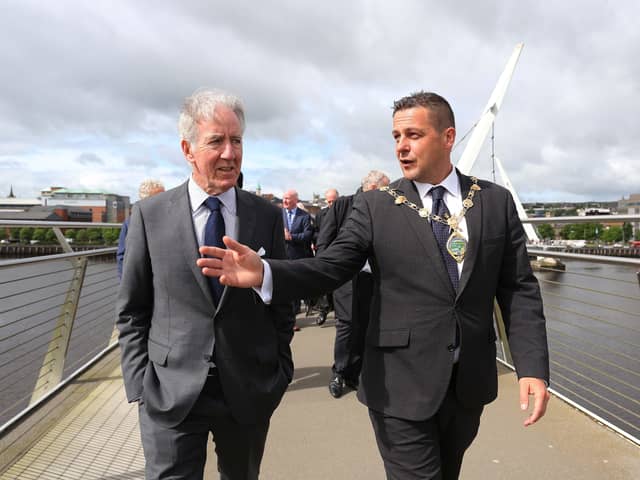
(314, 436)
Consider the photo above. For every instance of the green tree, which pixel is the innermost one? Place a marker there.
(39, 234)
(70, 233)
(612, 235)
(94, 235)
(111, 235)
(3, 233)
(627, 231)
(14, 233)
(546, 231)
(50, 236)
(26, 233)
(81, 236)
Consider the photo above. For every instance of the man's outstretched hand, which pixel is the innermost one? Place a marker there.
(237, 265)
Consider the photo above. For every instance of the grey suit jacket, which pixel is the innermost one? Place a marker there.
(168, 321)
(408, 355)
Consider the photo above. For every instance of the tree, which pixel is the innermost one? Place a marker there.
(94, 235)
(50, 236)
(111, 235)
(25, 235)
(546, 231)
(70, 233)
(81, 236)
(39, 234)
(627, 231)
(612, 235)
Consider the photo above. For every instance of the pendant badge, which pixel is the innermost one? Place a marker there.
(457, 246)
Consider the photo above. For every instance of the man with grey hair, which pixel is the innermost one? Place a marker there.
(351, 301)
(147, 188)
(197, 357)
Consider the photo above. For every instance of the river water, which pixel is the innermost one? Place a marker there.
(592, 312)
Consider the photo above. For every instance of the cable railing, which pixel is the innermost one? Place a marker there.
(57, 312)
(56, 315)
(592, 306)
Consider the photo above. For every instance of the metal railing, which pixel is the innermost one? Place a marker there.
(592, 306)
(57, 312)
(56, 317)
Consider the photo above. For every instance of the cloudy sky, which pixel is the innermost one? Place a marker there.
(90, 91)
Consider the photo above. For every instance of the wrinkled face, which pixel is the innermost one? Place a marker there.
(216, 157)
(289, 200)
(422, 150)
(330, 197)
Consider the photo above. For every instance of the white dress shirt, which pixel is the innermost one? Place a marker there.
(452, 199)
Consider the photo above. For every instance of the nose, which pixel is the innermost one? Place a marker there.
(402, 145)
(228, 152)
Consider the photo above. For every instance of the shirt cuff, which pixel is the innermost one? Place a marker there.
(265, 291)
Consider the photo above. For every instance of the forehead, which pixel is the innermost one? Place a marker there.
(417, 117)
(223, 120)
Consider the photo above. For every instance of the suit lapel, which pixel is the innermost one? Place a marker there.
(474, 230)
(422, 229)
(180, 210)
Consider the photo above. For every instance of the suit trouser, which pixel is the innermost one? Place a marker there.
(427, 449)
(180, 452)
(352, 303)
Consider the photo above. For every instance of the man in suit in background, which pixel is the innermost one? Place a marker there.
(442, 247)
(351, 300)
(200, 358)
(148, 188)
(325, 302)
(298, 234)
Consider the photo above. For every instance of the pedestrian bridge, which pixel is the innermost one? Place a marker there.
(63, 412)
(314, 436)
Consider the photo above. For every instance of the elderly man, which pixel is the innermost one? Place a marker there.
(200, 358)
(298, 234)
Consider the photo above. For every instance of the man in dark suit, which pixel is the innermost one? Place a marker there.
(200, 358)
(298, 234)
(324, 303)
(351, 300)
(429, 362)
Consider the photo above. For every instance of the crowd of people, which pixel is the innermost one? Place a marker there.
(212, 278)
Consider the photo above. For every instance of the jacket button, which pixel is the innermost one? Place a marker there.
(451, 347)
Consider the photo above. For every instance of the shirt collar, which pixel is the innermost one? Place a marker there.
(451, 184)
(197, 196)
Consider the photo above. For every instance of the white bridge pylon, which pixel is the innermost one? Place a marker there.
(482, 129)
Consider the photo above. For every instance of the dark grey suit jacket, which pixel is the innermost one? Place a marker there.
(168, 321)
(408, 356)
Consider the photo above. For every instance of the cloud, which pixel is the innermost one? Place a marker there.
(318, 81)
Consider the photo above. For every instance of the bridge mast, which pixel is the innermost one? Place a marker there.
(481, 130)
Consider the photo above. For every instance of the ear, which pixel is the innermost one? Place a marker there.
(449, 136)
(186, 150)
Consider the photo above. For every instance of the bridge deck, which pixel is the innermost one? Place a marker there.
(314, 436)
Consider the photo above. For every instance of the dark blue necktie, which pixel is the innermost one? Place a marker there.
(442, 232)
(213, 233)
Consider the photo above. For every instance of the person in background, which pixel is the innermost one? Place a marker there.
(443, 247)
(148, 188)
(351, 300)
(298, 234)
(325, 302)
(200, 358)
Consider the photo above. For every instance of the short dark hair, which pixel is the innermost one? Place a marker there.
(431, 101)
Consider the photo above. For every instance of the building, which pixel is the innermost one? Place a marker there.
(631, 206)
(87, 205)
(12, 204)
